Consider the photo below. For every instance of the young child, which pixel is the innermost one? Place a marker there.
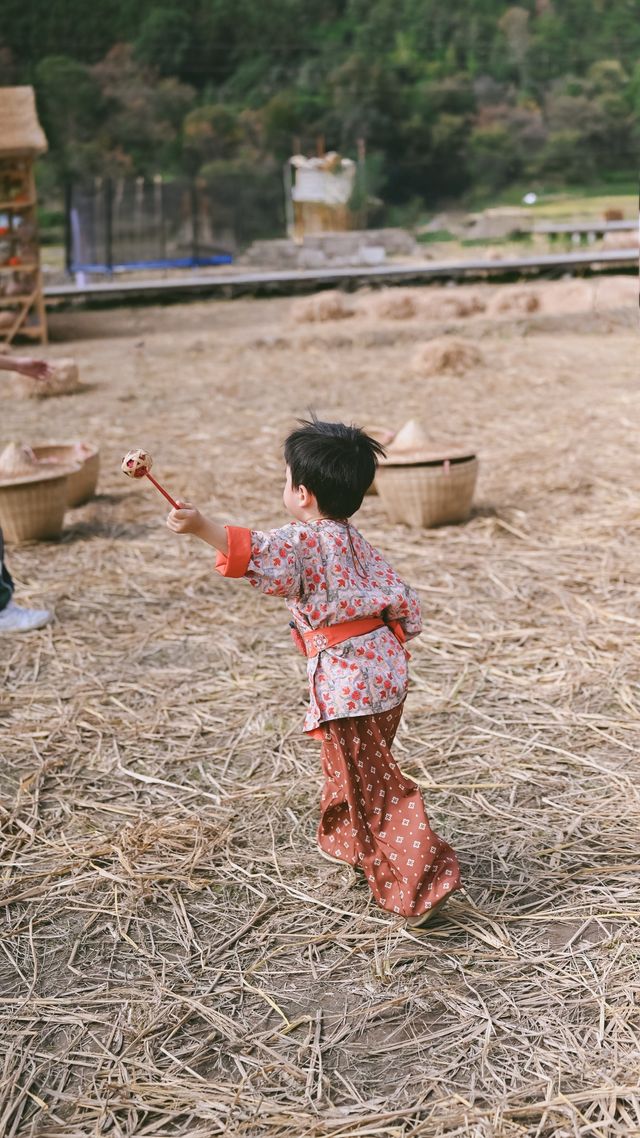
(351, 615)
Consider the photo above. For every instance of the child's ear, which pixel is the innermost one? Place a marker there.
(305, 497)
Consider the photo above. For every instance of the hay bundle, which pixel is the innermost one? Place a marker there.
(64, 381)
(615, 292)
(515, 302)
(468, 305)
(445, 355)
(560, 297)
(323, 342)
(394, 304)
(449, 305)
(321, 307)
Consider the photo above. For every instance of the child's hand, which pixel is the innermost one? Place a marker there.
(33, 368)
(187, 519)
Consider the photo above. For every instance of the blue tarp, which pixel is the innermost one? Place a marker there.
(177, 263)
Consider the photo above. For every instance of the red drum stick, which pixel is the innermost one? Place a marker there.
(137, 464)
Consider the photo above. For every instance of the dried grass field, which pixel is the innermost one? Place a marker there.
(175, 957)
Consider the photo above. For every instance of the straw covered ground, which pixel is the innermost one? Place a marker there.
(175, 958)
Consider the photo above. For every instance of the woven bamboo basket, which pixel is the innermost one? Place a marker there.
(82, 482)
(425, 494)
(32, 506)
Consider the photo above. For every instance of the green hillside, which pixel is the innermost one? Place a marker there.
(452, 100)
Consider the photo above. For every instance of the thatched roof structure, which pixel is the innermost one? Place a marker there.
(20, 131)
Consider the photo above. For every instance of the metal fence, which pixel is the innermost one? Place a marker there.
(136, 223)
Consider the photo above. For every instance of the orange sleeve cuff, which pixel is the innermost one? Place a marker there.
(236, 560)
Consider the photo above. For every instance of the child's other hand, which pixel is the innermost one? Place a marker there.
(187, 519)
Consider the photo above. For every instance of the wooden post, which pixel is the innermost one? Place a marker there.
(288, 200)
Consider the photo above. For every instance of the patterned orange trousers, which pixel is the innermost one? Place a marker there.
(374, 817)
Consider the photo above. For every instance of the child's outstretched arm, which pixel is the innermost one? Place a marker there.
(188, 519)
(269, 561)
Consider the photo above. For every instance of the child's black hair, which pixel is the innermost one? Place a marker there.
(335, 462)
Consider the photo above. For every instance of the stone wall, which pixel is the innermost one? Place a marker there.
(329, 250)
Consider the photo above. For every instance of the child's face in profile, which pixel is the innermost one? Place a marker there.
(290, 497)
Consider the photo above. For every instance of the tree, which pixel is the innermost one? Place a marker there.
(211, 133)
(164, 40)
(565, 158)
(142, 124)
(442, 93)
(492, 157)
(8, 69)
(515, 26)
(72, 109)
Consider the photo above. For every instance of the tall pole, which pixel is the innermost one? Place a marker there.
(108, 223)
(195, 252)
(362, 178)
(68, 205)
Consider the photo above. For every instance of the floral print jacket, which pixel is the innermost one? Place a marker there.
(328, 573)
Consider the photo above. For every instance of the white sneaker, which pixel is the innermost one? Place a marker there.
(13, 618)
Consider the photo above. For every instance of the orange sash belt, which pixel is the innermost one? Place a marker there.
(314, 641)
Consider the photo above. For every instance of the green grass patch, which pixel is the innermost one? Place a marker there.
(435, 237)
(554, 203)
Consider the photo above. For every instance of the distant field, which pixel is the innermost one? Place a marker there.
(588, 206)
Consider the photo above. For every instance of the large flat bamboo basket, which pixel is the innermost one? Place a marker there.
(83, 481)
(32, 507)
(428, 494)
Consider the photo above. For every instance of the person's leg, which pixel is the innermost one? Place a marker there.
(374, 816)
(13, 618)
(334, 838)
(6, 584)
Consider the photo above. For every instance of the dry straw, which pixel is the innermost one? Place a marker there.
(517, 302)
(65, 380)
(322, 307)
(395, 304)
(20, 132)
(446, 354)
(175, 960)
